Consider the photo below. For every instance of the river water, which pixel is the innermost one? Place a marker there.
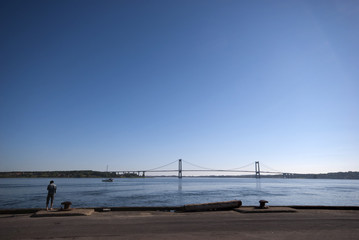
(92, 192)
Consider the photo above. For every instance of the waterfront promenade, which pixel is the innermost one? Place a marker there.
(303, 224)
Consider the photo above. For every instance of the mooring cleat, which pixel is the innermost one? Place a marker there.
(262, 204)
(67, 205)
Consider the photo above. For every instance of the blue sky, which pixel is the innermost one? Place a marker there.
(138, 84)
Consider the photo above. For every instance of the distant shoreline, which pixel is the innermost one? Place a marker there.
(66, 174)
(98, 174)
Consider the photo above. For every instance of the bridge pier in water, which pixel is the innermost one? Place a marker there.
(180, 168)
(257, 169)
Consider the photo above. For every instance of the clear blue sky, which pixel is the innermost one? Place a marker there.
(138, 84)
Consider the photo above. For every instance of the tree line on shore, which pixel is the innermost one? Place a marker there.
(334, 175)
(66, 174)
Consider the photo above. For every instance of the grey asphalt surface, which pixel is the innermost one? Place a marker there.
(304, 224)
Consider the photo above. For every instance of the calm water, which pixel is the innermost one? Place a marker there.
(85, 192)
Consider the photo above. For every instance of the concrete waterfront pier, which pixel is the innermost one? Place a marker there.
(302, 224)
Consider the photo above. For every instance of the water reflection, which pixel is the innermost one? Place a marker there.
(258, 185)
(180, 185)
(179, 192)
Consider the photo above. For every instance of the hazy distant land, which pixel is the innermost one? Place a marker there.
(334, 175)
(65, 174)
(98, 174)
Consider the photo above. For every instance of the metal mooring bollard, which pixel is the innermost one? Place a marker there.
(67, 205)
(262, 203)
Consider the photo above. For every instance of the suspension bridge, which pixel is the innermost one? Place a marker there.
(179, 170)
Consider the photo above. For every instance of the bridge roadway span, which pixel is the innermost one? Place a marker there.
(256, 171)
(200, 170)
(304, 224)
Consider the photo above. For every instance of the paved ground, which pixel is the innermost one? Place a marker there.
(304, 224)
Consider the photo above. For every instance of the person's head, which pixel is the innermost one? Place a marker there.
(51, 181)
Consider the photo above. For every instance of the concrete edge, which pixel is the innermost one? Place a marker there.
(215, 206)
(325, 207)
(20, 210)
(59, 213)
(169, 208)
(265, 210)
(164, 209)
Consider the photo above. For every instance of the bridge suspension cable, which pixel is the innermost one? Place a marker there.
(270, 168)
(194, 165)
(250, 164)
(153, 169)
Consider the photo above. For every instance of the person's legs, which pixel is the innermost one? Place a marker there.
(47, 202)
(52, 201)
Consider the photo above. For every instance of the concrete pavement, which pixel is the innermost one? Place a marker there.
(303, 224)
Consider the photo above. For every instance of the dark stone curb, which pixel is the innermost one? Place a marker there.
(114, 209)
(59, 213)
(168, 209)
(326, 207)
(265, 210)
(20, 210)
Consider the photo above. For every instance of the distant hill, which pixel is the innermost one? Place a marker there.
(334, 175)
(65, 174)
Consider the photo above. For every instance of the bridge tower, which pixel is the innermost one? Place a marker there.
(179, 168)
(257, 169)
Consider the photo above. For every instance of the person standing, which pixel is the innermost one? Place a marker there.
(51, 190)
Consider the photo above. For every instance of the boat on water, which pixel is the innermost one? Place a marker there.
(107, 180)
